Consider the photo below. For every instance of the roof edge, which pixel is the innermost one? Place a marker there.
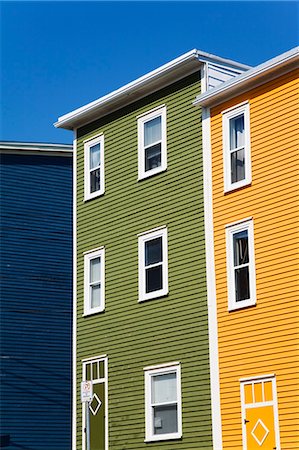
(22, 147)
(269, 69)
(77, 116)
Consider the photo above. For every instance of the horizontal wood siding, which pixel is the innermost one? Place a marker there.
(262, 339)
(36, 301)
(173, 328)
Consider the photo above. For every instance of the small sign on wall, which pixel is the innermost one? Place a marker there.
(86, 391)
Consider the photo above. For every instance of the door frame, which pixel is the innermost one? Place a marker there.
(104, 380)
(274, 403)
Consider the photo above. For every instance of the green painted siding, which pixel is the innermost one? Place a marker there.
(172, 328)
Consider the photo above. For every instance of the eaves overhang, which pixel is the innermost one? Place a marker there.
(260, 74)
(36, 148)
(143, 86)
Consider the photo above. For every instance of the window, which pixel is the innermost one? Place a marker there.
(152, 143)
(94, 282)
(153, 278)
(236, 147)
(94, 167)
(163, 410)
(240, 265)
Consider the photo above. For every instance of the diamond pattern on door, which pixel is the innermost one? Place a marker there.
(260, 426)
(260, 432)
(95, 404)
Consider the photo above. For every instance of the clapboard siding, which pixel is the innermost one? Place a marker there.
(173, 328)
(262, 339)
(36, 287)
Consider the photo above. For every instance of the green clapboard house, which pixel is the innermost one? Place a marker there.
(140, 300)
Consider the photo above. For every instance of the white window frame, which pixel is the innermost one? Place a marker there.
(87, 145)
(142, 239)
(156, 112)
(227, 115)
(99, 253)
(231, 229)
(149, 372)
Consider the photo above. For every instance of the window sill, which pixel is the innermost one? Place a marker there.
(97, 194)
(153, 297)
(166, 437)
(242, 305)
(237, 187)
(151, 173)
(92, 313)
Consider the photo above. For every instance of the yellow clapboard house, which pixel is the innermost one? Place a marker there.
(251, 164)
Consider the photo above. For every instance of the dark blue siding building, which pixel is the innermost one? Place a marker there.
(36, 296)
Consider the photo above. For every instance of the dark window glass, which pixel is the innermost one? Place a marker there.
(165, 419)
(153, 157)
(153, 279)
(95, 181)
(237, 165)
(242, 283)
(153, 251)
(241, 248)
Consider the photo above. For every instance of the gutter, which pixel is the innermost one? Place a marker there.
(163, 75)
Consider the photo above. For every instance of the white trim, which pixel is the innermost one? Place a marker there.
(161, 370)
(162, 76)
(258, 377)
(88, 257)
(93, 250)
(99, 139)
(161, 366)
(92, 358)
(93, 138)
(232, 108)
(140, 116)
(144, 233)
(211, 281)
(238, 222)
(74, 349)
(274, 403)
(272, 68)
(237, 110)
(141, 121)
(142, 239)
(233, 304)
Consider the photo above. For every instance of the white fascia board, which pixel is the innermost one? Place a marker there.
(35, 148)
(152, 81)
(274, 67)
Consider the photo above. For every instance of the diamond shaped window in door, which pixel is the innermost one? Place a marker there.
(95, 404)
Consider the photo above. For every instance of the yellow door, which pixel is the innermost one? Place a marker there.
(260, 429)
(259, 414)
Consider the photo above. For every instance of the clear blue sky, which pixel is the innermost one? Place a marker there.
(57, 56)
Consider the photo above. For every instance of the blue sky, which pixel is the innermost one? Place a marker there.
(57, 56)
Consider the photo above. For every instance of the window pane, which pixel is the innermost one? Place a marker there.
(153, 251)
(95, 296)
(95, 156)
(236, 128)
(242, 284)
(153, 157)
(153, 279)
(241, 248)
(237, 161)
(152, 131)
(165, 419)
(95, 270)
(95, 182)
(164, 388)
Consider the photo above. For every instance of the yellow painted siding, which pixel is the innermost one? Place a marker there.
(263, 339)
